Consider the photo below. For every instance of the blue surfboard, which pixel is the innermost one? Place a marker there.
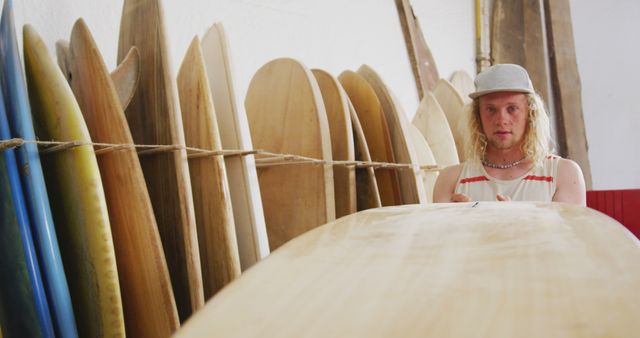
(39, 212)
(24, 311)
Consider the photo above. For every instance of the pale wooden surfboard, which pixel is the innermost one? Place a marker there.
(149, 305)
(214, 214)
(442, 270)
(342, 148)
(248, 213)
(154, 118)
(454, 109)
(367, 192)
(425, 158)
(89, 240)
(463, 82)
(411, 188)
(287, 116)
(372, 119)
(433, 124)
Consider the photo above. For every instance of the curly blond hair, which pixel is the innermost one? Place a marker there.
(537, 139)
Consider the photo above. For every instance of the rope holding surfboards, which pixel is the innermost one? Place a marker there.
(265, 158)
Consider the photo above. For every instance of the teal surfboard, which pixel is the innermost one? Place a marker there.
(16, 104)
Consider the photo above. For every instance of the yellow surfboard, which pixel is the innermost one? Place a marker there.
(77, 196)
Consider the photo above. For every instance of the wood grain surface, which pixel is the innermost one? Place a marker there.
(517, 36)
(432, 123)
(374, 125)
(565, 77)
(411, 188)
(126, 77)
(154, 118)
(78, 198)
(214, 213)
(149, 306)
(367, 192)
(453, 107)
(422, 62)
(287, 116)
(442, 270)
(248, 212)
(336, 104)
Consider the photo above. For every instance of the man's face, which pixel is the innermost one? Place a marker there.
(504, 119)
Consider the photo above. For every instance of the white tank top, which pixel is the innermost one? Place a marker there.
(538, 184)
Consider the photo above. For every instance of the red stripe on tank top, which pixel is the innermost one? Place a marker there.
(473, 179)
(538, 178)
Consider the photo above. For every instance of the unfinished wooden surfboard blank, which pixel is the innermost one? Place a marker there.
(463, 83)
(154, 119)
(214, 214)
(425, 158)
(374, 125)
(89, 240)
(433, 124)
(454, 109)
(287, 116)
(337, 107)
(149, 305)
(411, 188)
(367, 192)
(248, 214)
(503, 269)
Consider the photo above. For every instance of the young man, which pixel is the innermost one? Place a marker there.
(508, 147)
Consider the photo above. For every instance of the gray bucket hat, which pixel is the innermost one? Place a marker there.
(502, 78)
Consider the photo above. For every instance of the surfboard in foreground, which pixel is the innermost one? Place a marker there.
(490, 269)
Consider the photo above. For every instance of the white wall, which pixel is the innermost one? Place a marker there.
(343, 34)
(607, 36)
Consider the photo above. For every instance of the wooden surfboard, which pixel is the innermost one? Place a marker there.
(244, 189)
(125, 77)
(214, 213)
(80, 208)
(425, 158)
(463, 83)
(367, 192)
(147, 296)
(433, 124)
(342, 148)
(517, 36)
(286, 116)
(23, 302)
(422, 62)
(498, 269)
(16, 101)
(372, 119)
(403, 150)
(572, 139)
(154, 118)
(454, 109)
(77, 196)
